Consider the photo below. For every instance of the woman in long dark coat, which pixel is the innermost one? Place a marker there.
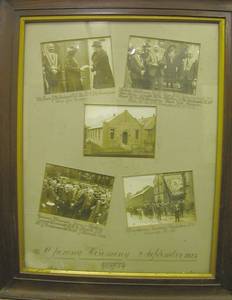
(170, 66)
(103, 77)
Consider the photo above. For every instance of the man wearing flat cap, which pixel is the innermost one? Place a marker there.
(72, 70)
(103, 77)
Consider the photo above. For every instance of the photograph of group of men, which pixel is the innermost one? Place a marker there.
(160, 199)
(76, 194)
(76, 65)
(162, 65)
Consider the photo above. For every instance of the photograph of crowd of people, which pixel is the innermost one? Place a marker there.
(76, 194)
(162, 65)
(160, 199)
(76, 65)
(118, 130)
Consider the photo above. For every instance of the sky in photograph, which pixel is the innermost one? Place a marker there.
(137, 183)
(96, 114)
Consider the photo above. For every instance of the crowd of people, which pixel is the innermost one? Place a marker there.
(81, 200)
(67, 74)
(160, 210)
(154, 67)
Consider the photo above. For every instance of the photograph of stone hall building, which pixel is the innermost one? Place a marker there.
(120, 131)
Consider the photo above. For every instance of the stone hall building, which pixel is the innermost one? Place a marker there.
(122, 134)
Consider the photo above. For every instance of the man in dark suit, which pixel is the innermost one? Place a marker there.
(188, 73)
(72, 70)
(136, 68)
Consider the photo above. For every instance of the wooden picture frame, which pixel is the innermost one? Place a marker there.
(18, 282)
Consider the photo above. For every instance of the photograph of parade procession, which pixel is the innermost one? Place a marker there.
(157, 64)
(77, 65)
(160, 199)
(128, 131)
(76, 194)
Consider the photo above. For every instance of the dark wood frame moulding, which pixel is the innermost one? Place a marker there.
(17, 286)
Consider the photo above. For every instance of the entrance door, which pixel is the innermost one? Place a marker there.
(125, 137)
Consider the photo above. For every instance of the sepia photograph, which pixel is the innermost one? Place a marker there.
(100, 55)
(77, 65)
(158, 64)
(160, 199)
(76, 194)
(128, 131)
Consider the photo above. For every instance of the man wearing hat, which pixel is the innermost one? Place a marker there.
(158, 65)
(135, 67)
(150, 66)
(188, 72)
(51, 70)
(72, 70)
(103, 77)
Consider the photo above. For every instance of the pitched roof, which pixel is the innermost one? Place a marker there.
(100, 123)
(95, 127)
(135, 201)
(148, 123)
(146, 188)
(125, 112)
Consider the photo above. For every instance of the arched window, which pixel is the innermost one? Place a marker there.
(136, 134)
(112, 133)
(125, 137)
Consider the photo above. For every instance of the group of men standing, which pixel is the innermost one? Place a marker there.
(160, 210)
(66, 74)
(79, 200)
(155, 67)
